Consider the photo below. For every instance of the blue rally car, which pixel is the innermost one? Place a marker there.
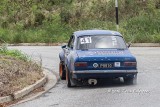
(96, 54)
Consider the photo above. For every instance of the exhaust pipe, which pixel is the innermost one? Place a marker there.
(92, 81)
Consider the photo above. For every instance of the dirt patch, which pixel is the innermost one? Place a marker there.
(15, 74)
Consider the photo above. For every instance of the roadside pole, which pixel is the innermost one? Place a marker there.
(117, 19)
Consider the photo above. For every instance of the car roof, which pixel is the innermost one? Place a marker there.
(96, 32)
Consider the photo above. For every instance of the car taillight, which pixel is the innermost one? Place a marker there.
(132, 64)
(80, 64)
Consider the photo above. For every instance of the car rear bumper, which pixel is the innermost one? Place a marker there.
(86, 74)
(104, 71)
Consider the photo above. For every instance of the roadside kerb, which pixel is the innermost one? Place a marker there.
(145, 45)
(52, 80)
(25, 91)
(5, 99)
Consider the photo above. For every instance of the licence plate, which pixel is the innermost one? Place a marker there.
(108, 65)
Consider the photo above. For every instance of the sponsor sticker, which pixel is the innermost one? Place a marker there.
(114, 41)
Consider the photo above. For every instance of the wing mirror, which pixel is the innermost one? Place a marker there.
(64, 46)
(129, 44)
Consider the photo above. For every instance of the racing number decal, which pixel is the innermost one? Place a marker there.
(85, 40)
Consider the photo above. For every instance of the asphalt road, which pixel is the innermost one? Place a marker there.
(110, 94)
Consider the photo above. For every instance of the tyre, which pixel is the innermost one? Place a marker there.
(131, 81)
(62, 72)
(68, 79)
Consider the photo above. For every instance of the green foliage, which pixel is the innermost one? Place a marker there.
(157, 38)
(142, 28)
(54, 20)
(14, 53)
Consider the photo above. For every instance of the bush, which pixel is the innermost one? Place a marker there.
(157, 38)
(52, 21)
(142, 28)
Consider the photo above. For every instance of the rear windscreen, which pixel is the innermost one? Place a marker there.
(101, 42)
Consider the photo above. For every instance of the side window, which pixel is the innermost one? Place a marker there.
(71, 42)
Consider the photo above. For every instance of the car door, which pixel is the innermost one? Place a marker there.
(69, 49)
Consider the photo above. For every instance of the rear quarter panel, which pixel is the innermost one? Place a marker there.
(71, 59)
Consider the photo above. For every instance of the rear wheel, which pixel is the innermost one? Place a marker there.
(132, 81)
(68, 79)
(62, 71)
